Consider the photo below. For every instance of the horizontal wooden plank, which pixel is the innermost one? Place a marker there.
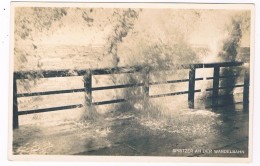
(222, 64)
(227, 76)
(48, 74)
(173, 81)
(198, 79)
(172, 94)
(49, 109)
(154, 96)
(236, 86)
(168, 82)
(49, 92)
(109, 102)
(117, 86)
(117, 70)
(200, 65)
(133, 69)
(188, 66)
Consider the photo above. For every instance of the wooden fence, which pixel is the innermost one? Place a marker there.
(88, 89)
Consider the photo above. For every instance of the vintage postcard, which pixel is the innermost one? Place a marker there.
(131, 82)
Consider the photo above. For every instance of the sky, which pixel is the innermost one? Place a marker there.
(208, 29)
(193, 27)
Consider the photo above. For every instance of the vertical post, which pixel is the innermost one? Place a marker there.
(191, 87)
(88, 87)
(246, 89)
(15, 104)
(215, 86)
(146, 87)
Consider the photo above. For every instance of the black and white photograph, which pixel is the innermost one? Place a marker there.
(131, 79)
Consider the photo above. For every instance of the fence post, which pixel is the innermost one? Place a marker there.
(146, 87)
(15, 104)
(215, 86)
(191, 87)
(246, 89)
(88, 87)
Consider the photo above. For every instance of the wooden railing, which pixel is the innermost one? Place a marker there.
(88, 89)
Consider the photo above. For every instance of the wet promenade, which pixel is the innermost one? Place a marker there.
(221, 132)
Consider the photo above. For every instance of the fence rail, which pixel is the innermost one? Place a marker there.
(88, 89)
